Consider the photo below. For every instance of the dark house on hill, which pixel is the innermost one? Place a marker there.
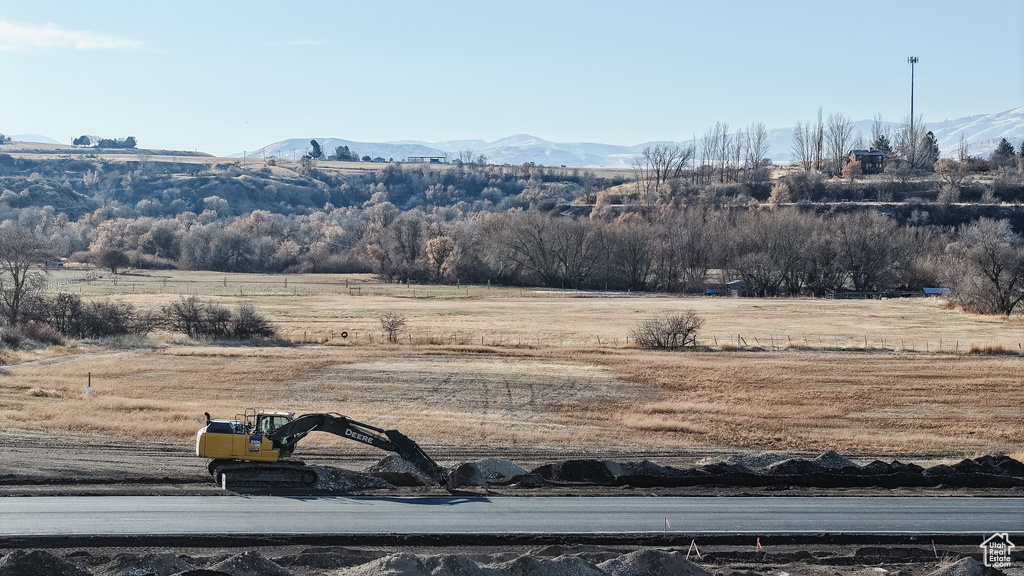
(871, 161)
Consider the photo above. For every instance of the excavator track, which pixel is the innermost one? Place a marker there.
(238, 474)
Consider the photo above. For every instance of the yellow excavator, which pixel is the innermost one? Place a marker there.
(253, 448)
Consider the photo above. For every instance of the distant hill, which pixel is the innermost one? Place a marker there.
(982, 132)
(38, 138)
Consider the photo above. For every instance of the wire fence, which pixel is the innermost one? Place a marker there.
(732, 343)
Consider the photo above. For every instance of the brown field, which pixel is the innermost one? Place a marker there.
(523, 369)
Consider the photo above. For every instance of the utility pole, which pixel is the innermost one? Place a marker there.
(913, 134)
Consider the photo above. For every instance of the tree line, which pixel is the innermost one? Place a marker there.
(773, 251)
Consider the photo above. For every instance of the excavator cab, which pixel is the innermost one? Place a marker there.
(243, 437)
(266, 421)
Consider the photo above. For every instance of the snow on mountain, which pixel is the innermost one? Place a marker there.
(37, 138)
(296, 147)
(982, 132)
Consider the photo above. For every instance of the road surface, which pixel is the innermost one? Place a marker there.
(237, 515)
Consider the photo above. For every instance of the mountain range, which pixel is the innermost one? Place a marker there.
(982, 132)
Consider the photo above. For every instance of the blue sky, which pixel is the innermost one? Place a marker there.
(223, 77)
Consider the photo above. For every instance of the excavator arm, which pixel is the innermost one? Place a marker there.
(288, 435)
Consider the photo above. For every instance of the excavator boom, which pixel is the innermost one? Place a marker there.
(285, 438)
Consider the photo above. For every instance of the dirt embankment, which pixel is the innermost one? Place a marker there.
(554, 560)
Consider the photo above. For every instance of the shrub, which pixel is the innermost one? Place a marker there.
(248, 324)
(11, 337)
(393, 324)
(668, 332)
(42, 333)
(191, 317)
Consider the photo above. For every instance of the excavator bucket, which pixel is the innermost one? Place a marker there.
(411, 452)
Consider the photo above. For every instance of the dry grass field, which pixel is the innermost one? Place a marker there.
(520, 369)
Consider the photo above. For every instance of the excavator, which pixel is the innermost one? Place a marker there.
(253, 448)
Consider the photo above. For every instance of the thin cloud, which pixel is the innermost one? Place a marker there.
(15, 36)
(299, 42)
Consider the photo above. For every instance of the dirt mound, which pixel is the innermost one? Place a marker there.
(833, 460)
(132, 565)
(577, 471)
(466, 475)
(341, 480)
(456, 565)
(561, 566)
(966, 567)
(652, 563)
(37, 563)
(751, 460)
(328, 558)
(795, 467)
(495, 468)
(400, 472)
(251, 563)
(393, 565)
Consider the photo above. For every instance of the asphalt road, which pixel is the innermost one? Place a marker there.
(237, 515)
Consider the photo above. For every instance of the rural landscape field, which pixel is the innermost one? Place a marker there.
(514, 369)
(666, 288)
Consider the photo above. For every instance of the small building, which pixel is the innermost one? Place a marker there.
(934, 292)
(871, 161)
(735, 288)
(53, 263)
(430, 159)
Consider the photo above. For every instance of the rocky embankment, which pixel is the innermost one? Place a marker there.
(829, 470)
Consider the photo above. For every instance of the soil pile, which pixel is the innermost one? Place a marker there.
(561, 566)
(830, 470)
(132, 565)
(393, 565)
(755, 460)
(401, 472)
(497, 468)
(456, 565)
(341, 480)
(251, 563)
(328, 558)
(577, 472)
(468, 474)
(833, 460)
(652, 563)
(37, 563)
(966, 567)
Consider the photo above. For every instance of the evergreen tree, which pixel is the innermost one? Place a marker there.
(316, 152)
(1005, 149)
(928, 150)
(882, 143)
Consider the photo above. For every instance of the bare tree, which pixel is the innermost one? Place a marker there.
(577, 249)
(907, 140)
(669, 331)
(529, 245)
(755, 156)
(986, 267)
(963, 151)
(818, 142)
(393, 324)
(633, 247)
(22, 254)
(803, 145)
(716, 150)
(657, 165)
(837, 140)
